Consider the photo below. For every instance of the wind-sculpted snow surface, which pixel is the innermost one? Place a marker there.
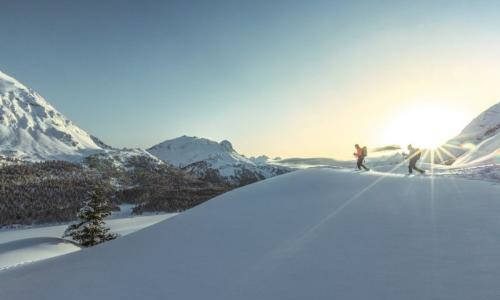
(319, 233)
(30, 128)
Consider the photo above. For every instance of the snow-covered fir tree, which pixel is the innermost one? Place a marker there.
(92, 230)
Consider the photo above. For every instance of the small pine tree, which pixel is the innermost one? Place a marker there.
(92, 230)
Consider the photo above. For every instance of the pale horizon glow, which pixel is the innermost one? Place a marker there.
(425, 126)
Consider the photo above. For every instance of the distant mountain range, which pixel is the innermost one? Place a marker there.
(31, 129)
(215, 161)
(171, 176)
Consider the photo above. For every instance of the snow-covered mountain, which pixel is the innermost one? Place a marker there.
(314, 234)
(479, 142)
(185, 150)
(30, 128)
(214, 160)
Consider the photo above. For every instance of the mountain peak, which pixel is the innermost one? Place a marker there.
(186, 150)
(227, 145)
(30, 128)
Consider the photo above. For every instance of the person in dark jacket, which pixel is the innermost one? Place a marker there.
(413, 156)
(360, 154)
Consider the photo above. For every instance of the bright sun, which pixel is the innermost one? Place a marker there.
(427, 126)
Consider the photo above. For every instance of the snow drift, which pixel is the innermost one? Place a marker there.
(20, 246)
(312, 234)
(23, 251)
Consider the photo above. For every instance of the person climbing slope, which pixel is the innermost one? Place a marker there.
(361, 154)
(413, 156)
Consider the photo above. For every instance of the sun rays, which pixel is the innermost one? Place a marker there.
(424, 124)
(437, 157)
(440, 155)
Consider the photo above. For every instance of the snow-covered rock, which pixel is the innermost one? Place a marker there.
(30, 128)
(208, 158)
(260, 160)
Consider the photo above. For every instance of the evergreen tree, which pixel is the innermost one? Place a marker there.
(92, 230)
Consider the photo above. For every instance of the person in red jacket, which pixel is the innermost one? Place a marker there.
(360, 154)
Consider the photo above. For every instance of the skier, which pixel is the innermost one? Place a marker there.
(360, 154)
(414, 156)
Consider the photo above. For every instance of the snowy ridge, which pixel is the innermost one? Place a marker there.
(205, 157)
(30, 128)
(484, 125)
(479, 141)
(121, 158)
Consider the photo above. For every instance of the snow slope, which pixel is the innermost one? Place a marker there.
(20, 246)
(483, 126)
(319, 233)
(24, 251)
(30, 128)
(486, 152)
(203, 156)
(479, 142)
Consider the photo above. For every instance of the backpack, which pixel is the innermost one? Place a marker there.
(365, 151)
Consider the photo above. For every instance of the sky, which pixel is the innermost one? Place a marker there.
(281, 78)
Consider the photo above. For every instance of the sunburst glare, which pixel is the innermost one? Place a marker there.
(425, 126)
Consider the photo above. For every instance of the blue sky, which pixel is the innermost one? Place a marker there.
(288, 78)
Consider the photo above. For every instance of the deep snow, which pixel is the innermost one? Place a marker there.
(319, 233)
(21, 246)
(16, 253)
